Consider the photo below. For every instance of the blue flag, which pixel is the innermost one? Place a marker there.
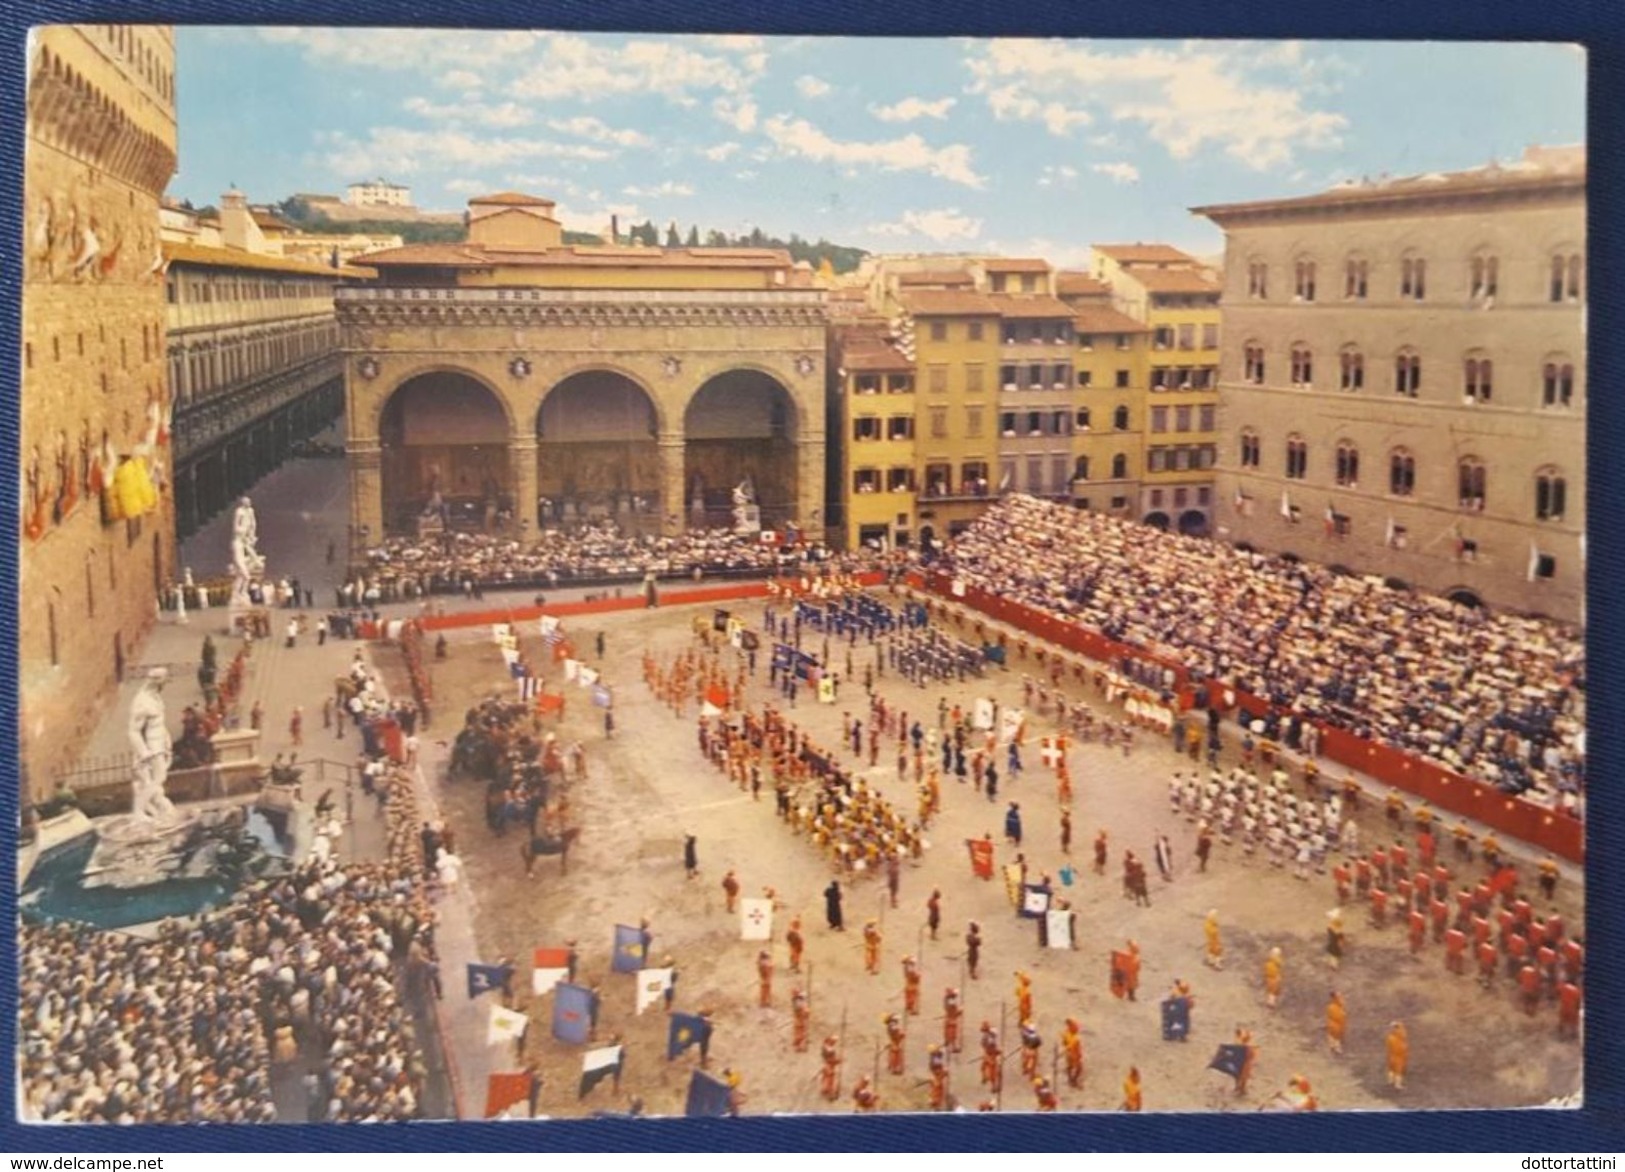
(687, 1029)
(629, 950)
(482, 978)
(1229, 1059)
(1176, 1019)
(574, 1009)
(707, 1097)
(517, 670)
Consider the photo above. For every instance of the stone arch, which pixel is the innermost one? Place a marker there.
(597, 449)
(1464, 596)
(444, 437)
(1193, 523)
(374, 417)
(1157, 520)
(741, 424)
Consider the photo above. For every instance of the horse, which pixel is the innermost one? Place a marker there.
(547, 844)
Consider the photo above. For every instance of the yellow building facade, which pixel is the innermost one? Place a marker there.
(97, 540)
(1177, 300)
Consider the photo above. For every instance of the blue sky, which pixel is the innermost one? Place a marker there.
(1013, 146)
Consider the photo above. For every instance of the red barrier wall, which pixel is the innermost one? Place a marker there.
(1443, 789)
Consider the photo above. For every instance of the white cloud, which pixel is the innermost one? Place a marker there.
(741, 114)
(811, 87)
(735, 42)
(392, 150)
(666, 188)
(1246, 99)
(474, 51)
(911, 108)
(746, 175)
(940, 225)
(596, 219)
(462, 79)
(503, 116)
(575, 67)
(912, 153)
(1059, 175)
(466, 186)
(720, 152)
(1117, 172)
(585, 126)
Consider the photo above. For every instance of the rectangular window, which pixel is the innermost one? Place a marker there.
(900, 480)
(939, 331)
(1007, 377)
(866, 480)
(1159, 419)
(1157, 497)
(1035, 475)
(1182, 418)
(1007, 424)
(1210, 336)
(900, 427)
(1086, 341)
(973, 331)
(1206, 417)
(973, 423)
(866, 427)
(1187, 337)
(1086, 378)
(1122, 378)
(1157, 459)
(937, 379)
(939, 423)
(1163, 338)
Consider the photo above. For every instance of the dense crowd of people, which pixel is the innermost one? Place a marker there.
(453, 562)
(1495, 696)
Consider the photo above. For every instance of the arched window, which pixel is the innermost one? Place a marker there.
(1348, 465)
(1356, 277)
(1303, 373)
(1119, 466)
(1408, 373)
(1083, 419)
(1483, 275)
(1401, 472)
(1257, 280)
(1476, 378)
(1297, 457)
(1565, 283)
(1252, 355)
(1303, 280)
(1120, 419)
(1551, 493)
(1413, 278)
(1249, 448)
(1080, 468)
(1470, 483)
(1351, 369)
(1557, 382)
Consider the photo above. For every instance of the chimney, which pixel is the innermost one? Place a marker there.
(614, 228)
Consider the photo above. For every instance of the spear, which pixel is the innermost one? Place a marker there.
(998, 1093)
(842, 1050)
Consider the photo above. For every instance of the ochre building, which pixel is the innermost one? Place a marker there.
(1403, 380)
(512, 381)
(97, 520)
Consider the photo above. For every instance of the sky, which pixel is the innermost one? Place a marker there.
(1020, 147)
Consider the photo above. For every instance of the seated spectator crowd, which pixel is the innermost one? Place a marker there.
(1495, 696)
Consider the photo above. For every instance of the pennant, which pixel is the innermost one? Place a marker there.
(552, 965)
(597, 1065)
(587, 677)
(1012, 883)
(506, 1025)
(687, 1029)
(530, 687)
(504, 1090)
(499, 632)
(710, 709)
(1229, 1059)
(652, 986)
(1058, 926)
(572, 1013)
(717, 696)
(1176, 1019)
(707, 1097)
(572, 669)
(756, 919)
(1331, 520)
(549, 627)
(516, 666)
(629, 950)
(981, 857)
(1034, 901)
(1012, 726)
(482, 978)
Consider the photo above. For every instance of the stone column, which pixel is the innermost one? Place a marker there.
(671, 483)
(810, 513)
(522, 454)
(366, 492)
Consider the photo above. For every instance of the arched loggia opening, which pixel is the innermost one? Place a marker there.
(444, 456)
(1157, 520)
(597, 453)
(739, 432)
(1462, 596)
(1193, 523)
